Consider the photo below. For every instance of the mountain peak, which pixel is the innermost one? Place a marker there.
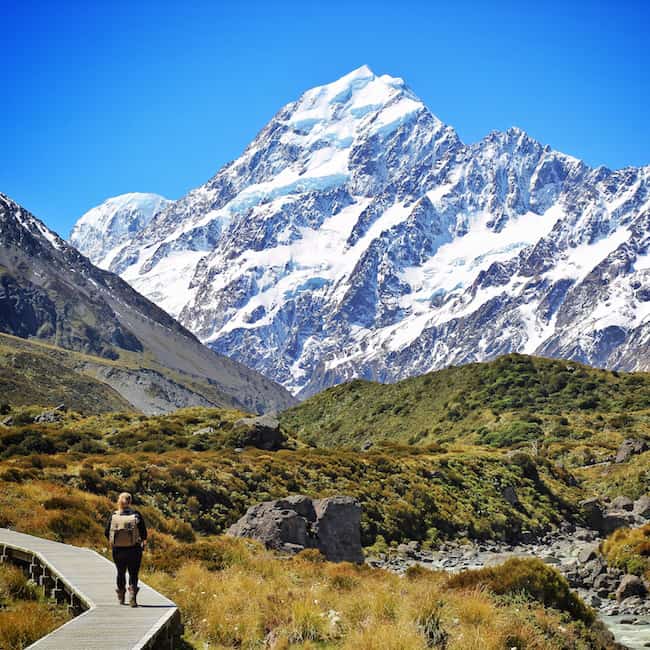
(113, 222)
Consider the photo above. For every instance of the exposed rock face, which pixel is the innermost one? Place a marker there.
(629, 448)
(631, 585)
(262, 432)
(338, 529)
(53, 415)
(331, 525)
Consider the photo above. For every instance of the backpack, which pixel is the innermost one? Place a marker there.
(124, 529)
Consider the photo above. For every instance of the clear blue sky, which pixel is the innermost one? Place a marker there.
(101, 98)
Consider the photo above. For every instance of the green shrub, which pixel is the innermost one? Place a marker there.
(530, 577)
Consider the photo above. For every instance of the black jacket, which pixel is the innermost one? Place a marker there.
(140, 519)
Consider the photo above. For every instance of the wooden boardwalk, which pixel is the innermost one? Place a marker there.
(86, 581)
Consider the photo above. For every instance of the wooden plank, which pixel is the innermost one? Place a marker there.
(90, 577)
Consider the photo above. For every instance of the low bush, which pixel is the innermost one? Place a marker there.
(629, 550)
(530, 577)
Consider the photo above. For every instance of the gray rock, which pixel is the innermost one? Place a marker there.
(630, 447)
(338, 529)
(592, 513)
(510, 495)
(614, 520)
(642, 507)
(589, 552)
(332, 525)
(202, 431)
(591, 570)
(47, 417)
(630, 586)
(622, 503)
(262, 432)
(595, 601)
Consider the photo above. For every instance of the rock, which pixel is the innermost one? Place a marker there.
(338, 529)
(55, 415)
(332, 525)
(630, 585)
(616, 519)
(591, 570)
(366, 445)
(622, 503)
(595, 601)
(592, 513)
(8, 421)
(526, 537)
(510, 495)
(630, 447)
(589, 552)
(603, 581)
(202, 431)
(642, 507)
(262, 432)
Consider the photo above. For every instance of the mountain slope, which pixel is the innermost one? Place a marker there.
(49, 291)
(357, 236)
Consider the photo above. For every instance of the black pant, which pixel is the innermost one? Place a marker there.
(127, 558)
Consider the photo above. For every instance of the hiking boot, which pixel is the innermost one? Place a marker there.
(120, 595)
(133, 592)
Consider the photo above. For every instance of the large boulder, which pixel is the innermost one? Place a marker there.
(630, 585)
(510, 495)
(262, 432)
(629, 447)
(331, 525)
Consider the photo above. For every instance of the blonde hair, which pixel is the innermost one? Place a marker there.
(123, 501)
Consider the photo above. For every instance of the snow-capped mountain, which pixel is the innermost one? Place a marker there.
(358, 236)
(106, 228)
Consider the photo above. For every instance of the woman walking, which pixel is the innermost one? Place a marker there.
(127, 535)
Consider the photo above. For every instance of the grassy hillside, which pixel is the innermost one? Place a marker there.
(406, 493)
(31, 374)
(508, 402)
(34, 372)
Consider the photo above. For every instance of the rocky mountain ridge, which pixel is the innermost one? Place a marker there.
(358, 236)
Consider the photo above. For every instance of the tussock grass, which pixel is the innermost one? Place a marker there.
(257, 599)
(629, 550)
(24, 615)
